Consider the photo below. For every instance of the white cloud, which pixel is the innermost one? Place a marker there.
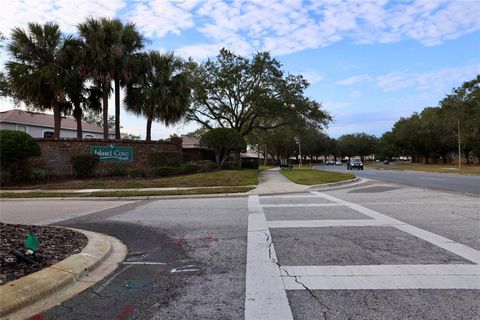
(280, 26)
(285, 26)
(355, 79)
(311, 76)
(335, 105)
(160, 17)
(66, 13)
(440, 80)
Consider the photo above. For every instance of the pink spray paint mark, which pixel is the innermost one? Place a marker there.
(125, 312)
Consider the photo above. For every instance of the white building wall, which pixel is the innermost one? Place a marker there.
(37, 132)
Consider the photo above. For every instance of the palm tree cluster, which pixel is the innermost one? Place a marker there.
(68, 74)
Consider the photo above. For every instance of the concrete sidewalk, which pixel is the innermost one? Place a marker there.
(272, 181)
(114, 190)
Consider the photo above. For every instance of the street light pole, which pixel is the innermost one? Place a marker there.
(297, 140)
(459, 148)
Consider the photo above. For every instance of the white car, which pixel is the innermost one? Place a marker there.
(338, 163)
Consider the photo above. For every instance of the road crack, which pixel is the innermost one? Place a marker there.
(295, 278)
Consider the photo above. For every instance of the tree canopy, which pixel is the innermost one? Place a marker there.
(249, 93)
(225, 142)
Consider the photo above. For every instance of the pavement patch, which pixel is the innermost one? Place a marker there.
(356, 246)
(385, 304)
(312, 213)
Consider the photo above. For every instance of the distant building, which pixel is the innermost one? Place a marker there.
(41, 125)
(190, 142)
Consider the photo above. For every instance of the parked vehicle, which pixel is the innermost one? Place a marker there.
(386, 161)
(355, 164)
(329, 163)
(338, 163)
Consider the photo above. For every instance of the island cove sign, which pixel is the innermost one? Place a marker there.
(113, 153)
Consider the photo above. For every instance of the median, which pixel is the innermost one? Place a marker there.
(310, 177)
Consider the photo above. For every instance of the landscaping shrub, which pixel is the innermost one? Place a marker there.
(84, 164)
(137, 173)
(190, 168)
(36, 174)
(16, 148)
(231, 165)
(206, 165)
(117, 170)
(250, 164)
(165, 171)
(165, 158)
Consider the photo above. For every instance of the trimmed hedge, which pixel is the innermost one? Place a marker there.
(16, 148)
(137, 173)
(190, 168)
(165, 171)
(84, 164)
(117, 170)
(164, 158)
(250, 163)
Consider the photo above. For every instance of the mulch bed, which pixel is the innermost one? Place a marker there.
(56, 244)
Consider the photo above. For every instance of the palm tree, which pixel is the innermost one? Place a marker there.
(131, 41)
(101, 44)
(36, 74)
(160, 91)
(81, 97)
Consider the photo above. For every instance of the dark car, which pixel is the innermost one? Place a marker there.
(355, 164)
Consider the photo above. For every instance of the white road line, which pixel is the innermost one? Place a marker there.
(383, 282)
(327, 223)
(442, 242)
(382, 270)
(428, 178)
(288, 205)
(265, 295)
(143, 262)
(289, 197)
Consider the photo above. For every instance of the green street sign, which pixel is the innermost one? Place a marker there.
(113, 153)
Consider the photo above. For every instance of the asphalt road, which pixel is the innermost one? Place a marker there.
(448, 182)
(369, 251)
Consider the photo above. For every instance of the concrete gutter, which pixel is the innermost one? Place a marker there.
(39, 291)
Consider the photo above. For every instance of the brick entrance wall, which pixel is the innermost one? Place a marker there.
(56, 154)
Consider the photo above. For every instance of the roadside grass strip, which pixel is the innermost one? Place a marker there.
(121, 194)
(309, 176)
(241, 177)
(266, 298)
(434, 168)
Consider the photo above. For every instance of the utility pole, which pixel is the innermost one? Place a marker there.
(459, 148)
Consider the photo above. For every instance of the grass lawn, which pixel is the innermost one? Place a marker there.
(244, 177)
(127, 193)
(438, 168)
(308, 176)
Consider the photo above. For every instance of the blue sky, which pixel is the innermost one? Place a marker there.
(369, 62)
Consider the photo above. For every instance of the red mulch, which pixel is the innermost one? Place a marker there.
(56, 244)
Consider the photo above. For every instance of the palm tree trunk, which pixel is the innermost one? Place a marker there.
(149, 129)
(106, 90)
(117, 108)
(57, 116)
(77, 113)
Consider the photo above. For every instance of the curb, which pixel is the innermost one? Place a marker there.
(335, 184)
(29, 289)
(180, 196)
